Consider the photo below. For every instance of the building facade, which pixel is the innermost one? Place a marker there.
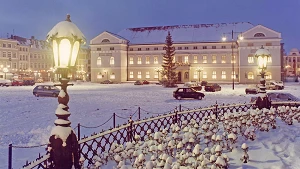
(23, 57)
(292, 63)
(210, 52)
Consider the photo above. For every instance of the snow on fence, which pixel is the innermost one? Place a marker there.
(97, 143)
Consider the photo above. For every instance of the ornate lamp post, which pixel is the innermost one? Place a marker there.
(262, 56)
(199, 69)
(5, 70)
(66, 39)
(158, 70)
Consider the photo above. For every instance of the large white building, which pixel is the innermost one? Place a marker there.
(136, 53)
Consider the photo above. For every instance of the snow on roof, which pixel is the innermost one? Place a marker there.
(184, 33)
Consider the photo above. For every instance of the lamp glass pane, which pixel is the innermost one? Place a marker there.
(55, 52)
(74, 53)
(260, 62)
(64, 53)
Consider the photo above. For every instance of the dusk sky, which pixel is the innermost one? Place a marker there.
(36, 17)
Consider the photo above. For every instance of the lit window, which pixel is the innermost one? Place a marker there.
(214, 59)
(139, 76)
(204, 59)
(195, 75)
(131, 60)
(99, 61)
(139, 60)
(268, 75)
(233, 75)
(130, 75)
(223, 59)
(269, 59)
(155, 60)
(186, 59)
(223, 74)
(195, 59)
(156, 75)
(250, 75)
(112, 60)
(147, 60)
(204, 75)
(99, 76)
(214, 74)
(147, 75)
(112, 76)
(233, 59)
(250, 58)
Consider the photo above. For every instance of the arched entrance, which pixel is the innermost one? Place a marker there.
(179, 77)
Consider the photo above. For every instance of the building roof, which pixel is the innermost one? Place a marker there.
(184, 33)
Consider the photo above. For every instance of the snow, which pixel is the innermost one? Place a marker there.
(26, 120)
(61, 132)
(60, 110)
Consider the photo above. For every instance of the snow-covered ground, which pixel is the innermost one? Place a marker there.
(26, 120)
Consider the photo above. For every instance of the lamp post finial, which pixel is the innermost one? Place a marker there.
(68, 18)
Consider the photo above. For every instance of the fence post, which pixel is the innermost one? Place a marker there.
(180, 108)
(10, 156)
(216, 111)
(78, 131)
(139, 111)
(114, 120)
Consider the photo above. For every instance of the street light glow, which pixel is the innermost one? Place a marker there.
(224, 38)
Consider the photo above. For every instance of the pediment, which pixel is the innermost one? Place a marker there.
(107, 38)
(261, 32)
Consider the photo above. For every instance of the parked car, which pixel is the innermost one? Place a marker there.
(28, 82)
(279, 97)
(193, 85)
(40, 80)
(17, 82)
(146, 82)
(187, 93)
(5, 82)
(203, 83)
(138, 82)
(212, 87)
(107, 82)
(273, 85)
(46, 90)
(252, 89)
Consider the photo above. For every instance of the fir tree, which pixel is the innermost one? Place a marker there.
(168, 64)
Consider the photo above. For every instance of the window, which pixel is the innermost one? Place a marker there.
(14, 55)
(155, 60)
(204, 75)
(214, 74)
(186, 47)
(179, 48)
(250, 44)
(14, 65)
(131, 49)
(204, 59)
(39, 56)
(98, 49)
(186, 75)
(233, 59)
(111, 48)
(250, 58)
(195, 47)
(139, 60)
(4, 45)
(139, 49)
(195, 75)
(9, 45)
(131, 75)
(269, 60)
(112, 60)
(156, 75)
(250, 75)
(223, 74)
(214, 59)
(233, 75)
(4, 54)
(269, 44)
(259, 35)
(298, 59)
(34, 56)
(112, 76)
(214, 47)
(223, 59)
(223, 47)
(20, 57)
(268, 75)
(155, 48)
(147, 48)
(147, 75)
(105, 41)
(204, 47)
(139, 76)
(195, 59)
(9, 54)
(131, 60)
(99, 61)
(99, 76)
(180, 59)
(147, 60)
(186, 59)
(290, 59)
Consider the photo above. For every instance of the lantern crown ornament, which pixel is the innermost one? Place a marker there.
(66, 39)
(262, 56)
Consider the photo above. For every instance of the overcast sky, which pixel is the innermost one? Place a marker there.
(37, 17)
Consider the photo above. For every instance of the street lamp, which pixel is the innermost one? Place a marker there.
(224, 38)
(106, 73)
(199, 69)
(158, 70)
(262, 56)
(66, 39)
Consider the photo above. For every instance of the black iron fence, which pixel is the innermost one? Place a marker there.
(97, 143)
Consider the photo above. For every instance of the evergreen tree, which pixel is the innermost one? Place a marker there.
(168, 64)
